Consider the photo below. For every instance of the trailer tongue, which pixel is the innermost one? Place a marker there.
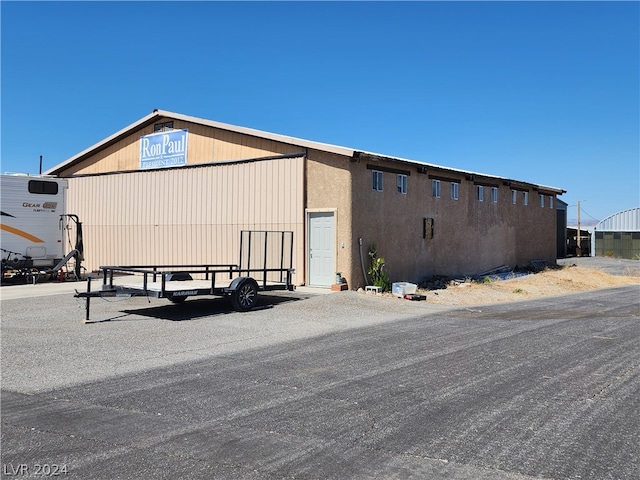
(266, 263)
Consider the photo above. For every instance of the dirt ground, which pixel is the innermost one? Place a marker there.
(556, 281)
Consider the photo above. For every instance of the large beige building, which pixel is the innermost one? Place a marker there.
(175, 189)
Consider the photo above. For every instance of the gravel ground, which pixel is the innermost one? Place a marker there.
(538, 389)
(612, 266)
(135, 334)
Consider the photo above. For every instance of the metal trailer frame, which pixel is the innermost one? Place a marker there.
(175, 282)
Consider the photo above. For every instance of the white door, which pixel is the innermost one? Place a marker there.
(321, 249)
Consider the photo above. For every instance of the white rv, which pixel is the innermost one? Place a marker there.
(33, 222)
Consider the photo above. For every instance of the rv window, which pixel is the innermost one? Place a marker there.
(47, 188)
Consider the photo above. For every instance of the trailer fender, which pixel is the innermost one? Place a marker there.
(178, 277)
(244, 293)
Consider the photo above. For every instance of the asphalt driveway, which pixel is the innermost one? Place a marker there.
(324, 386)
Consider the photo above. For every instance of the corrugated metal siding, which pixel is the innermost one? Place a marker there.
(205, 145)
(187, 215)
(618, 236)
(229, 146)
(625, 221)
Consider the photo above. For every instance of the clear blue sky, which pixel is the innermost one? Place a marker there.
(542, 92)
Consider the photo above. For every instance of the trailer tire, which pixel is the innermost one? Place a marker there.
(245, 296)
(177, 298)
(178, 277)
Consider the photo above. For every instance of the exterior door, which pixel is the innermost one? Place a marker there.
(321, 249)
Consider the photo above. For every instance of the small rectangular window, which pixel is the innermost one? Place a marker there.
(43, 188)
(376, 177)
(435, 184)
(161, 127)
(514, 196)
(541, 200)
(550, 201)
(494, 194)
(402, 183)
(525, 198)
(480, 193)
(454, 190)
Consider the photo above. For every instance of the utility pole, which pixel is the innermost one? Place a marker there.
(579, 236)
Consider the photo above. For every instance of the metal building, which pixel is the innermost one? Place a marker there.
(177, 189)
(618, 236)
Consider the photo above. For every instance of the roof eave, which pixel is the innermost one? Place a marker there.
(307, 144)
(104, 143)
(416, 163)
(156, 114)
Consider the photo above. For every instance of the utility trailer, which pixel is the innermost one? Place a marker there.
(266, 264)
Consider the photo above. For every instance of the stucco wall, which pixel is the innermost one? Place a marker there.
(469, 236)
(329, 189)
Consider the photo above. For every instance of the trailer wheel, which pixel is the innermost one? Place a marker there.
(177, 298)
(245, 296)
(178, 277)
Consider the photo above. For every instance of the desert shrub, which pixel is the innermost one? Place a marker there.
(379, 276)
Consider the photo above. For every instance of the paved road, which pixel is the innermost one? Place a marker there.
(335, 386)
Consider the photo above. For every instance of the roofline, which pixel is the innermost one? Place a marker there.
(156, 114)
(630, 211)
(468, 173)
(324, 147)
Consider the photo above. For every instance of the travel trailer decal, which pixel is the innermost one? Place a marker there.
(21, 233)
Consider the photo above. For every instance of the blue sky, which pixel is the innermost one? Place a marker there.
(544, 92)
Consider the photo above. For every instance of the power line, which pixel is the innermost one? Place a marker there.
(592, 217)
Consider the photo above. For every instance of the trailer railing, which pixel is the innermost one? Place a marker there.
(265, 264)
(266, 251)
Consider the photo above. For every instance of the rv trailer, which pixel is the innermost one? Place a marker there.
(33, 226)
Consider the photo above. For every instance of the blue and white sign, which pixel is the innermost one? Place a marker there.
(163, 149)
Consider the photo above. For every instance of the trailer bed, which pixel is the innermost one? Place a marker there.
(257, 270)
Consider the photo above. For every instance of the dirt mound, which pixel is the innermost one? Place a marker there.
(557, 281)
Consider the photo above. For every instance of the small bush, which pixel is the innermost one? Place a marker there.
(379, 276)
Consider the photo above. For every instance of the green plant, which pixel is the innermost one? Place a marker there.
(486, 280)
(379, 276)
(518, 290)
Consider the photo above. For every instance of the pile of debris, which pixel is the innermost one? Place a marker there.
(435, 282)
(504, 272)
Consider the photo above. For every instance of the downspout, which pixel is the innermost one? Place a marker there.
(364, 272)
